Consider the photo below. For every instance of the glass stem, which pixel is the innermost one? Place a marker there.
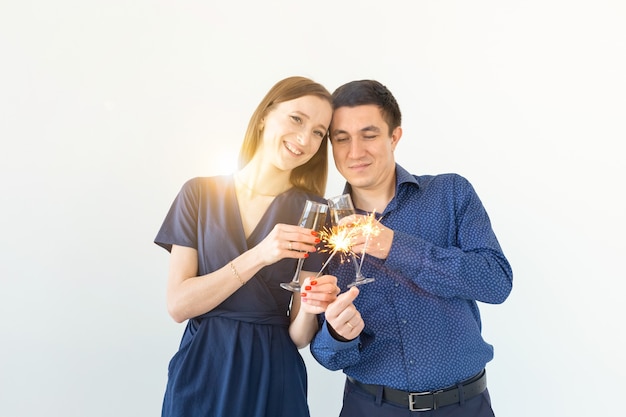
(367, 238)
(326, 263)
(296, 276)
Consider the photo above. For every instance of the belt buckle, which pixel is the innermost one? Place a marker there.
(412, 396)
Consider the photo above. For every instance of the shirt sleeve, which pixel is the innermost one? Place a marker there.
(474, 267)
(332, 353)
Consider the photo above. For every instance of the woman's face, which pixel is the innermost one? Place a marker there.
(293, 131)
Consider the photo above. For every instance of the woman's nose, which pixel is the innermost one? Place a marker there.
(302, 137)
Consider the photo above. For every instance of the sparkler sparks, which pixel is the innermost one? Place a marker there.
(369, 225)
(340, 238)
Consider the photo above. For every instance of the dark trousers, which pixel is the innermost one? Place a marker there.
(358, 403)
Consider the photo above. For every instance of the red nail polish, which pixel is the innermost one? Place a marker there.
(303, 294)
(313, 282)
(317, 241)
(308, 288)
(306, 255)
(314, 233)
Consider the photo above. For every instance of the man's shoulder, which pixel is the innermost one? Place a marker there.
(448, 179)
(423, 180)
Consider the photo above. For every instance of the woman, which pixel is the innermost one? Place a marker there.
(233, 240)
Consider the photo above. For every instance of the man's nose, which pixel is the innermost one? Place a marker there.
(356, 149)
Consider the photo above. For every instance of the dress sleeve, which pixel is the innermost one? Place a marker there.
(180, 226)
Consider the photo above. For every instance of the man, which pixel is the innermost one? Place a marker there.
(410, 343)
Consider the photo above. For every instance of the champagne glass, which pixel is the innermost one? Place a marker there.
(340, 207)
(313, 217)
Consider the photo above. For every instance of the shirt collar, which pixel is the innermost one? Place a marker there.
(402, 177)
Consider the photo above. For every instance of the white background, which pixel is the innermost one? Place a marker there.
(107, 107)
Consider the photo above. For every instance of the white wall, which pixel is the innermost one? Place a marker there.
(107, 107)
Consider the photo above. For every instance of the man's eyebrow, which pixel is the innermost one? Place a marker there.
(370, 128)
(338, 132)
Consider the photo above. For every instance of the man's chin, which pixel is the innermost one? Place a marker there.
(358, 182)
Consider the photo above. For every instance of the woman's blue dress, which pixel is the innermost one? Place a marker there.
(237, 360)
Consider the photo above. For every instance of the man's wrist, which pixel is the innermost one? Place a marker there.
(336, 335)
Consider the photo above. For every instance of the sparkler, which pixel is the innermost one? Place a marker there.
(370, 228)
(339, 238)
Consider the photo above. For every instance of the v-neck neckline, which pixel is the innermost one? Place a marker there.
(262, 220)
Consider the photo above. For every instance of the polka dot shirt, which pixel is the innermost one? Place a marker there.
(422, 323)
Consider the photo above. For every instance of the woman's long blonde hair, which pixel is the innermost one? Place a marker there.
(311, 176)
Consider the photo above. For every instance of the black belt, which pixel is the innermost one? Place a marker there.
(430, 400)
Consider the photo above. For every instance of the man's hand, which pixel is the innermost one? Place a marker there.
(343, 318)
(376, 239)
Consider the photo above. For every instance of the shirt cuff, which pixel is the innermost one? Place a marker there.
(333, 344)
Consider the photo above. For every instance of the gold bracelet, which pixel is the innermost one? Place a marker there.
(235, 273)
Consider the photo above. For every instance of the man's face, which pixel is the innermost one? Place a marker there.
(362, 147)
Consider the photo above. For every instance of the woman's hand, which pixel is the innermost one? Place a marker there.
(286, 241)
(316, 294)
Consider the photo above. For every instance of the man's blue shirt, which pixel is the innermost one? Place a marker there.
(422, 324)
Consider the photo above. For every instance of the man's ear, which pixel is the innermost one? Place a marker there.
(395, 137)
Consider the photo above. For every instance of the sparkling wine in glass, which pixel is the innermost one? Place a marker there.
(313, 217)
(340, 207)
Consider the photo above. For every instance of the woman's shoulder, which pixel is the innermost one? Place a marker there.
(201, 184)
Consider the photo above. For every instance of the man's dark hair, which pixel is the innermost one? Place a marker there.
(364, 92)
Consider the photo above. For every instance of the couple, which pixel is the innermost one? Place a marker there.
(233, 240)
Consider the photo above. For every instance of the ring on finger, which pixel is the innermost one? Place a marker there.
(290, 246)
(350, 325)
